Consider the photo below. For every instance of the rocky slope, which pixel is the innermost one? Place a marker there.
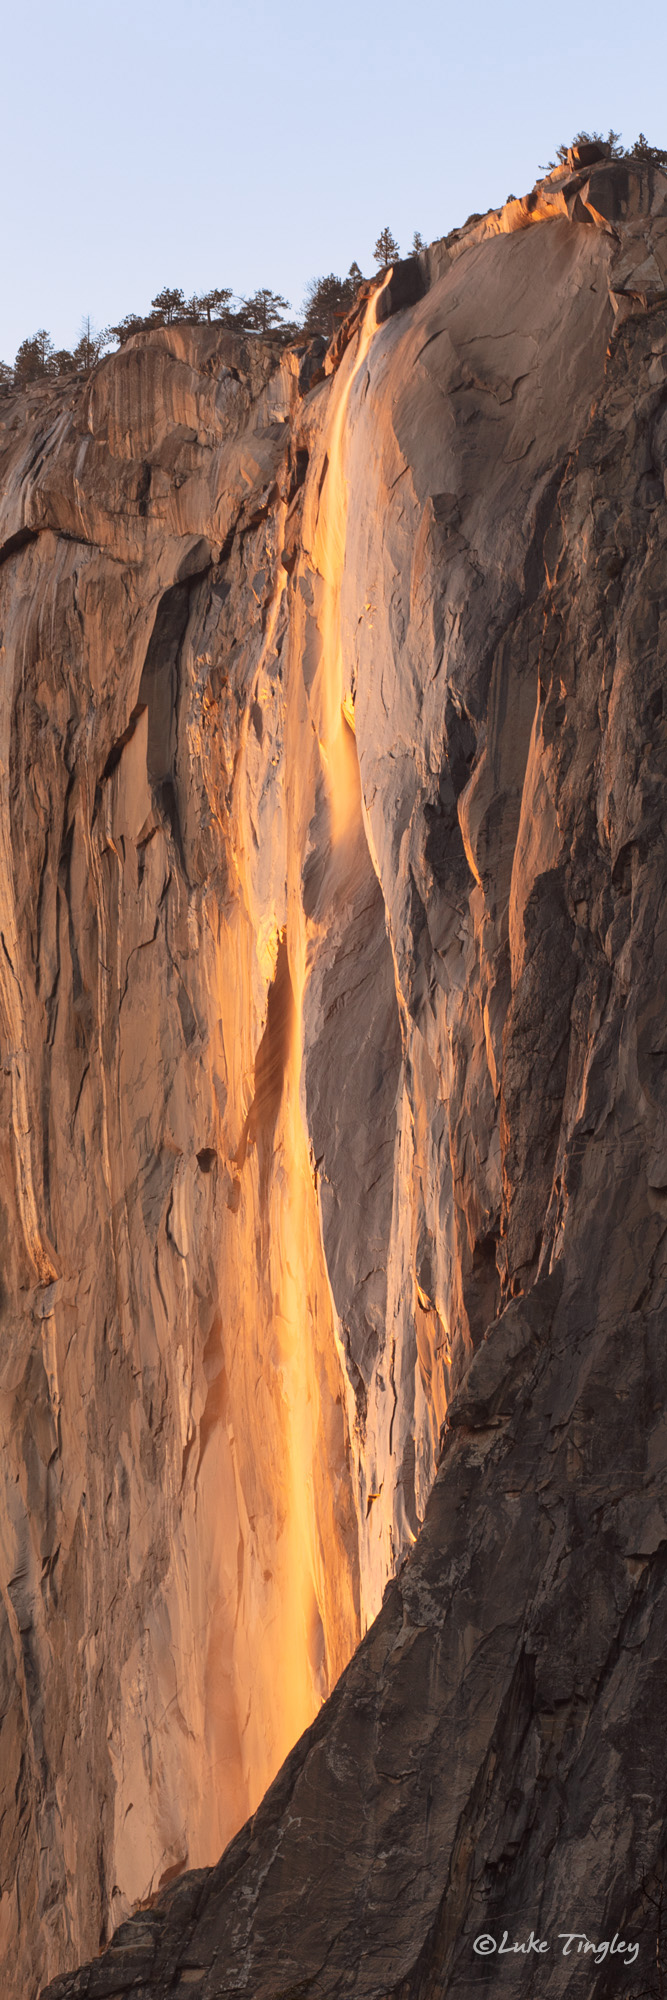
(333, 1066)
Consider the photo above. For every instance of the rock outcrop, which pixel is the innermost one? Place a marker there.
(333, 1191)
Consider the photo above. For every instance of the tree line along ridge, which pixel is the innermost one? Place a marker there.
(327, 301)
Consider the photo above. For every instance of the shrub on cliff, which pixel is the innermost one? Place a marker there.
(641, 150)
(655, 155)
(589, 139)
(132, 323)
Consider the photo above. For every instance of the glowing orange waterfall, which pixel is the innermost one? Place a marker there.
(336, 707)
(312, 1623)
(294, 1581)
(295, 1248)
(314, 1632)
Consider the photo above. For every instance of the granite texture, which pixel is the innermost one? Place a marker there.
(334, 1176)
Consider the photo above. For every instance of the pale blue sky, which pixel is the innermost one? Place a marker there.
(244, 143)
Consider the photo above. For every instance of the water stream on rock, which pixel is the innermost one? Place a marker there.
(312, 1617)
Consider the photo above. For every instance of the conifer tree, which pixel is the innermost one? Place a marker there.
(264, 310)
(170, 304)
(89, 347)
(216, 304)
(386, 249)
(34, 357)
(327, 302)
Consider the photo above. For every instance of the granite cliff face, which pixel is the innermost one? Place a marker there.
(334, 1133)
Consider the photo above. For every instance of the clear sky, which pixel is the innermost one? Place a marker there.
(246, 143)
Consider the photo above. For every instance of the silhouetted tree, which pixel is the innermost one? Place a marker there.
(354, 278)
(655, 155)
(262, 311)
(386, 249)
(326, 303)
(34, 357)
(170, 305)
(134, 323)
(417, 243)
(613, 140)
(641, 150)
(90, 345)
(216, 304)
(62, 362)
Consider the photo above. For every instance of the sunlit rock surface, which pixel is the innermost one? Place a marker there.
(333, 1025)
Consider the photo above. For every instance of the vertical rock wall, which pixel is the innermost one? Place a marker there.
(291, 972)
(179, 1536)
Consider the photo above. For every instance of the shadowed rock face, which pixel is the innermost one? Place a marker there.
(328, 1128)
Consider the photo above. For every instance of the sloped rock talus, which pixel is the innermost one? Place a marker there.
(333, 1007)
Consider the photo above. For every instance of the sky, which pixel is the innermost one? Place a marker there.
(240, 142)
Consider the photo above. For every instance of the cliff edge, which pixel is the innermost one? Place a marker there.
(334, 1189)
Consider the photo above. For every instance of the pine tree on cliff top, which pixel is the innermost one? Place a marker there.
(34, 357)
(264, 310)
(327, 301)
(216, 304)
(386, 249)
(170, 303)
